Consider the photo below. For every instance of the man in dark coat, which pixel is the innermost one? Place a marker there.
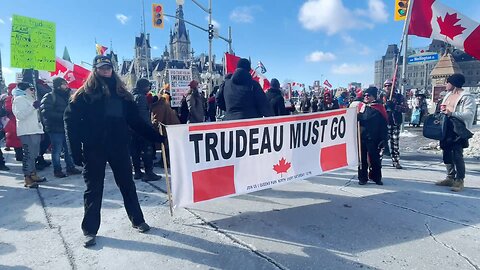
(275, 98)
(97, 122)
(52, 108)
(140, 147)
(373, 133)
(241, 97)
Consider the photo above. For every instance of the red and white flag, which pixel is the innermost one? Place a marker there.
(74, 74)
(432, 19)
(231, 64)
(327, 84)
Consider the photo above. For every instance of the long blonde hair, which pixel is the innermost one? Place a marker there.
(94, 82)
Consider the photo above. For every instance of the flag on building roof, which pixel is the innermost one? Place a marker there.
(100, 49)
(432, 19)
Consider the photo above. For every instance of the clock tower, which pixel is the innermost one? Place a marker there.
(179, 38)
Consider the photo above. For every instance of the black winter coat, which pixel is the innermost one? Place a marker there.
(373, 126)
(103, 124)
(277, 102)
(140, 99)
(241, 97)
(52, 108)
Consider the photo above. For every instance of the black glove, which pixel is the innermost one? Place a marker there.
(154, 99)
(36, 104)
(382, 144)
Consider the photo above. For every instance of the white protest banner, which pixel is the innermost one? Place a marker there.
(223, 159)
(179, 80)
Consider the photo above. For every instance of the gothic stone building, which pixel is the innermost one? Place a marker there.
(179, 55)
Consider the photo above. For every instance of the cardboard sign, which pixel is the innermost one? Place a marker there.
(32, 44)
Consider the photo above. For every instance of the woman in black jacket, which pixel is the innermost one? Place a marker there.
(97, 122)
(374, 135)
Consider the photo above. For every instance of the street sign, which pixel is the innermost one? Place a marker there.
(422, 58)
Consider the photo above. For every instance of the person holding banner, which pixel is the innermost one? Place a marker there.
(373, 137)
(97, 122)
(241, 97)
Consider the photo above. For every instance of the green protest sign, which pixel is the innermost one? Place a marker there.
(32, 44)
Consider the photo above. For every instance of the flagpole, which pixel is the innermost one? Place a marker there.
(405, 56)
(404, 47)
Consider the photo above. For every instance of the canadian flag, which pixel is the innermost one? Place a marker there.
(74, 74)
(231, 64)
(432, 19)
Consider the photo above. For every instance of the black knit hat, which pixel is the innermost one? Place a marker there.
(457, 80)
(244, 63)
(142, 84)
(372, 91)
(57, 82)
(24, 85)
(275, 84)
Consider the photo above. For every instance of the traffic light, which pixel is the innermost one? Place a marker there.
(401, 8)
(210, 31)
(157, 15)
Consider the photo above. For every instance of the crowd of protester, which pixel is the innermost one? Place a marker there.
(103, 122)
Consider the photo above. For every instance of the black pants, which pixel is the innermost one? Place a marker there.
(453, 160)
(94, 176)
(141, 148)
(370, 154)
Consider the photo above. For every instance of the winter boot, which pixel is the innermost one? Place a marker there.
(447, 182)
(397, 165)
(89, 240)
(59, 174)
(138, 174)
(73, 171)
(37, 178)
(142, 227)
(457, 185)
(29, 182)
(3, 167)
(150, 176)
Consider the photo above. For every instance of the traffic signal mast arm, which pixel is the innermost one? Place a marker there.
(197, 26)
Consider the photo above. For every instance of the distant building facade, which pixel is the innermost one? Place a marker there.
(418, 74)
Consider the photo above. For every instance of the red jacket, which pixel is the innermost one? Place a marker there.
(11, 138)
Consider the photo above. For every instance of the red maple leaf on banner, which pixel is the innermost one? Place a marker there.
(448, 27)
(282, 166)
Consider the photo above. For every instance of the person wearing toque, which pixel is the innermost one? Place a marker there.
(29, 130)
(459, 105)
(97, 123)
(373, 119)
(241, 97)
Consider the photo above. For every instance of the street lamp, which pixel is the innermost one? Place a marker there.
(210, 39)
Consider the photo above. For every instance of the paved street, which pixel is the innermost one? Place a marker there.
(324, 222)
